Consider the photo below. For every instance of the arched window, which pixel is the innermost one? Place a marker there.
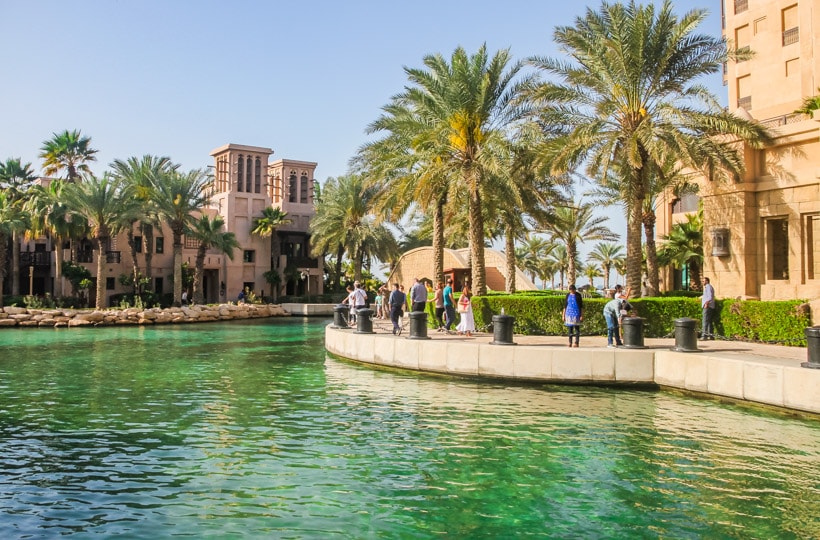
(292, 187)
(257, 182)
(303, 193)
(249, 176)
(240, 172)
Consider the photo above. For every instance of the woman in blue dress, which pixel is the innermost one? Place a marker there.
(573, 309)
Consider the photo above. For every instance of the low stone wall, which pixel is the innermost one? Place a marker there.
(67, 318)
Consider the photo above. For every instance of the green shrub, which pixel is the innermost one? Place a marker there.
(782, 322)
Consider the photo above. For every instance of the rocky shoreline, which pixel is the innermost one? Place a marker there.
(69, 318)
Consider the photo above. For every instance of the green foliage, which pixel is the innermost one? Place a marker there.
(38, 302)
(75, 274)
(783, 321)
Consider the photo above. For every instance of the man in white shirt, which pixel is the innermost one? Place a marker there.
(707, 304)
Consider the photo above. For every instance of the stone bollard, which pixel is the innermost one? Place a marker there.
(503, 330)
(686, 338)
(364, 323)
(633, 332)
(418, 325)
(813, 351)
(340, 315)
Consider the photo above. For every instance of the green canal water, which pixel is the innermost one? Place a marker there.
(248, 430)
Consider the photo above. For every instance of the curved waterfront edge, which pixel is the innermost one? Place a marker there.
(769, 381)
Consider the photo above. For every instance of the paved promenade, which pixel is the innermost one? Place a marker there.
(767, 374)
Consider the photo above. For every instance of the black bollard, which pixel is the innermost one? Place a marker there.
(364, 323)
(503, 330)
(633, 332)
(418, 325)
(813, 351)
(340, 315)
(686, 338)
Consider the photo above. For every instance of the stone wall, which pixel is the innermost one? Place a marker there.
(62, 318)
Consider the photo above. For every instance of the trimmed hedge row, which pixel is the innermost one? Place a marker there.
(748, 320)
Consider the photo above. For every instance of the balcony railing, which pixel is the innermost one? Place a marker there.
(745, 102)
(741, 6)
(785, 120)
(35, 258)
(303, 262)
(792, 35)
(85, 256)
(112, 257)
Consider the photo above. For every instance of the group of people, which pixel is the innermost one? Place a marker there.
(617, 308)
(393, 303)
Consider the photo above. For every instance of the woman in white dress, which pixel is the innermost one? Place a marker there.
(465, 309)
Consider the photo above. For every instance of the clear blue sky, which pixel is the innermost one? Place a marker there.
(180, 78)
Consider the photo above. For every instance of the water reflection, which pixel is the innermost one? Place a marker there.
(249, 430)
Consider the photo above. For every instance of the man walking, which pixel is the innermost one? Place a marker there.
(707, 304)
(449, 305)
(418, 296)
(396, 303)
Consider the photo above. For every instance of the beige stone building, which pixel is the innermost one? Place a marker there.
(762, 232)
(245, 182)
(418, 263)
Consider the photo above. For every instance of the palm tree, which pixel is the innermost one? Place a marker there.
(68, 151)
(631, 94)
(50, 215)
(176, 197)
(458, 111)
(208, 232)
(266, 225)
(683, 246)
(591, 272)
(572, 225)
(102, 202)
(810, 104)
(560, 263)
(533, 249)
(139, 175)
(12, 220)
(606, 254)
(16, 179)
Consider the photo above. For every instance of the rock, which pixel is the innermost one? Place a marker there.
(79, 322)
(8, 322)
(14, 310)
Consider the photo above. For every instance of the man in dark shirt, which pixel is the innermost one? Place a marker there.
(396, 304)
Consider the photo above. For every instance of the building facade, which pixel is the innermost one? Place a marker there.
(762, 231)
(245, 182)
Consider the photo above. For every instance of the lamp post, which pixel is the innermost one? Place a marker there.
(31, 280)
(306, 278)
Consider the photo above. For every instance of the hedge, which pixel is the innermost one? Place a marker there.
(748, 320)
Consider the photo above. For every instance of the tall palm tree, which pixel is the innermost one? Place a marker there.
(208, 232)
(631, 94)
(50, 215)
(266, 225)
(532, 250)
(68, 151)
(560, 263)
(606, 254)
(591, 272)
(101, 202)
(176, 197)
(572, 225)
(139, 174)
(683, 246)
(12, 219)
(459, 111)
(16, 179)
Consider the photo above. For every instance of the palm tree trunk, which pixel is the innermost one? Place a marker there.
(135, 269)
(479, 285)
(510, 259)
(3, 259)
(651, 253)
(148, 252)
(15, 264)
(358, 262)
(100, 300)
(572, 255)
(59, 289)
(606, 269)
(438, 240)
(177, 268)
(633, 247)
(339, 255)
(199, 265)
